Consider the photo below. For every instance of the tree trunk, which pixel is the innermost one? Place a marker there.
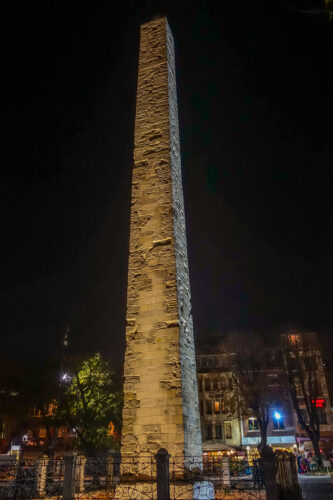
(263, 435)
(316, 449)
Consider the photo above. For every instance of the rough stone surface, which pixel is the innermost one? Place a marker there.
(161, 397)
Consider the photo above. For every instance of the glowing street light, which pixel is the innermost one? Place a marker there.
(66, 377)
(277, 415)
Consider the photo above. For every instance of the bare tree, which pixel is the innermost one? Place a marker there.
(251, 359)
(301, 357)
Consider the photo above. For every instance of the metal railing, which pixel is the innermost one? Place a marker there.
(157, 477)
(38, 478)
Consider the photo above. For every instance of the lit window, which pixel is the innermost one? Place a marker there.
(278, 421)
(253, 424)
(42, 432)
(294, 338)
(298, 389)
(61, 431)
(216, 406)
(51, 408)
(227, 430)
(224, 407)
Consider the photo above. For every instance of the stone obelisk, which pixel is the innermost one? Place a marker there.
(160, 390)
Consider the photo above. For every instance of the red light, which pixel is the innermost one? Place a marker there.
(319, 402)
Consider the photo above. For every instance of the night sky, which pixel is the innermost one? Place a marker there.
(255, 110)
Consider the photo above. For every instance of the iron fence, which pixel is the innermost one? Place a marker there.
(29, 478)
(111, 477)
(216, 477)
(131, 477)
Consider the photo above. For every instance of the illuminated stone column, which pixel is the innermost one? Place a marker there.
(161, 397)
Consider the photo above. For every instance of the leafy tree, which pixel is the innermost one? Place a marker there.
(302, 359)
(89, 403)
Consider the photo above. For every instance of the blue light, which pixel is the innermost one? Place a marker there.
(277, 415)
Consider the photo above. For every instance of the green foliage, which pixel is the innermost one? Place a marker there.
(89, 404)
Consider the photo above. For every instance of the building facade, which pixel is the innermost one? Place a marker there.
(281, 428)
(220, 427)
(225, 431)
(303, 361)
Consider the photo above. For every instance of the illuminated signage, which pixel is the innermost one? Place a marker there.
(318, 402)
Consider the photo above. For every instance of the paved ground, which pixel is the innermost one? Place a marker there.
(316, 487)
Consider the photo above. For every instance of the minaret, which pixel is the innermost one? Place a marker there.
(161, 407)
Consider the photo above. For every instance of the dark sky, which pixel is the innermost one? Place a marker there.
(255, 103)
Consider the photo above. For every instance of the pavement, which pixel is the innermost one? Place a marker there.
(316, 487)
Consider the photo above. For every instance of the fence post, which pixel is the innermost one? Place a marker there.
(41, 469)
(226, 478)
(286, 476)
(294, 473)
(163, 479)
(56, 468)
(69, 482)
(279, 471)
(80, 463)
(111, 461)
(268, 461)
(289, 475)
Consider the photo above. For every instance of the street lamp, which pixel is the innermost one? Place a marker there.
(66, 378)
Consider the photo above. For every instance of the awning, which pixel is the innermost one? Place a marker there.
(216, 446)
(303, 439)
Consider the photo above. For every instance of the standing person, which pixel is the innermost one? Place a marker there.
(299, 461)
(304, 465)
